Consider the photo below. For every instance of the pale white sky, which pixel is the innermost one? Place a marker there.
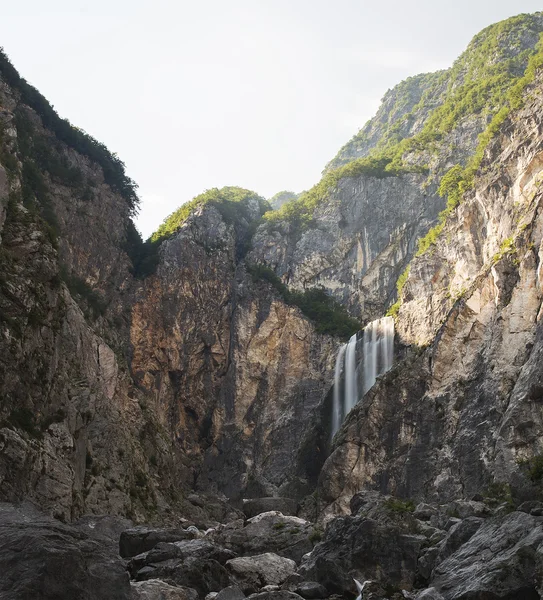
(256, 93)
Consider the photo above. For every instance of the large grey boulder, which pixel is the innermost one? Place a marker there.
(43, 559)
(255, 506)
(205, 575)
(164, 552)
(272, 531)
(232, 592)
(501, 560)
(154, 589)
(311, 590)
(366, 549)
(141, 539)
(254, 572)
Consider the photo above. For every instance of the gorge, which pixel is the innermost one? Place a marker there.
(272, 402)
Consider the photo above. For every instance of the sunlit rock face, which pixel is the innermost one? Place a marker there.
(462, 411)
(362, 239)
(235, 372)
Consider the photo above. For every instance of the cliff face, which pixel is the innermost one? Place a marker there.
(118, 393)
(462, 412)
(73, 433)
(359, 242)
(235, 372)
(380, 194)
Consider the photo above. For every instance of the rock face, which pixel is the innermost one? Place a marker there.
(211, 346)
(42, 558)
(161, 394)
(461, 412)
(69, 414)
(361, 241)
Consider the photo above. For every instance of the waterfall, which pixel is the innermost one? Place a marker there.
(338, 409)
(377, 358)
(378, 350)
(351, 385)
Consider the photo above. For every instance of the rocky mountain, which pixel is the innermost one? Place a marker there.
(165, 381)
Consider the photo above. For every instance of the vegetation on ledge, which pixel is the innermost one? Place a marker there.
(299, 212)
(458, 180)
(475, 86)
(112, 166)
(329, 316)
(232, 202)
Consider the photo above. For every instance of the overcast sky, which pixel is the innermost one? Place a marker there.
(257, 93)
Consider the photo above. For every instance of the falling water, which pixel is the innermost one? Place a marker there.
(338, 409)
(377, 358)
(351, 385)
(378, 350)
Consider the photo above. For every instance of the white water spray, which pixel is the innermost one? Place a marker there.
(377, 358)
(351, 384)
(378, 350)
(338, 409)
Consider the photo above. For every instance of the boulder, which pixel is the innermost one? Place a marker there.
(154, 589)
(204, 575)
(232, 592)
(311, 590)
(366, 549)
(501, 560)
(254, 572)
(284, 535)
(163, 552)
(142, 539)
(43, 558)
(256, 506)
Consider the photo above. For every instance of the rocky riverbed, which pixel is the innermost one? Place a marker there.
(466, 550)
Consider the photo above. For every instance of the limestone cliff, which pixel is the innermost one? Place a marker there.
(121, 386)
(355, 231)
(461, 414)
(74, 434)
